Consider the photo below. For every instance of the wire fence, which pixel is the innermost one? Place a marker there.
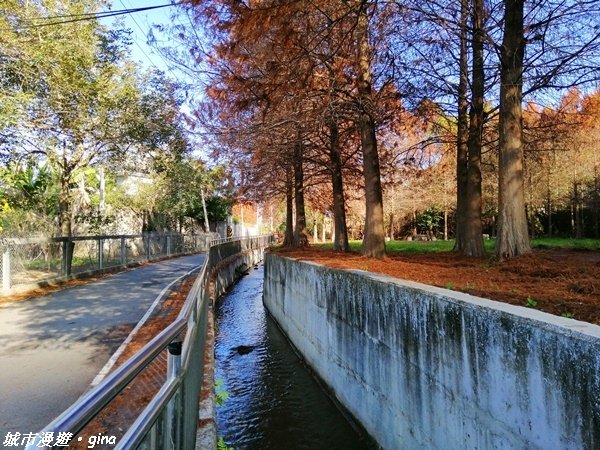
(27, 262)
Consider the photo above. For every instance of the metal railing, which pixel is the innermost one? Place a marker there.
(169, 420)
(26, 261)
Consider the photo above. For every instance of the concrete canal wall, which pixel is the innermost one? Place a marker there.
(425, 367)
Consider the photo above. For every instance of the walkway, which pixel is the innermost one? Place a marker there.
(52, 347)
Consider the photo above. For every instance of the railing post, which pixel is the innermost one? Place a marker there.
(173, 416)
(147, 246)
(6, 269)
(100, 253)
(123, 253)
(68, 250)
(64, 257)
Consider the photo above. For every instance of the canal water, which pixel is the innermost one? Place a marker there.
(274, 401)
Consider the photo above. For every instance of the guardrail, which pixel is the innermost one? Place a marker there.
(169, 421)
(26, 261)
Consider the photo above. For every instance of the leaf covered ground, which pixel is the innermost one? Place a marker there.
(558, 281)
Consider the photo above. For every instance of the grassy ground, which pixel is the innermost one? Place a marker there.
(412, 247)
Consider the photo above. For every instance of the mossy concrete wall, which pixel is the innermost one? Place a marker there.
(425, 367)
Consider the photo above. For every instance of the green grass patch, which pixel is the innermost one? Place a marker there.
(415, 247)
(566, 243)
(56, 263)
(411, 247)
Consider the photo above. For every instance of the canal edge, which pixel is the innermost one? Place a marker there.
(225, 274)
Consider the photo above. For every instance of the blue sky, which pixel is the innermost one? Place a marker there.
(140, 23)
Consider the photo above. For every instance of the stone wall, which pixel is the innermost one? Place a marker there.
(424, 367)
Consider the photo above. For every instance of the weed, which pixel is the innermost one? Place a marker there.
(221, 445)
(221, 394)
(450, 285)
(221, 397)
(568, 315)
(531, 303)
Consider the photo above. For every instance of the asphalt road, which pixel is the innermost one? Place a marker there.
(52, 347)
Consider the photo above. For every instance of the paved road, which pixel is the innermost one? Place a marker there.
(52, 347)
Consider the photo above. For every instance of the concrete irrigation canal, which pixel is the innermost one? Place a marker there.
(274, 401)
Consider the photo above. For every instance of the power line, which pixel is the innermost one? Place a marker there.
(90, 16)
(140, 47)
(137, 43)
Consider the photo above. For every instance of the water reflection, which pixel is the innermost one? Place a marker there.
(274, 401)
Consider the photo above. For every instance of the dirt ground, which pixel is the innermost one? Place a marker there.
(559, 282)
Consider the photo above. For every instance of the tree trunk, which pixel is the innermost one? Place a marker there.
(288, 238)
(413, 224)
(573, 232)
(472, 232)
(512, 222)
(578, 211)
(102, 192)
(64, 205)
(206, 222)
(596, 204)
(445, 224)
(549, 208)
(373, 244)
(65, 219)
(339, 203)
(462, 132)
(300, 233)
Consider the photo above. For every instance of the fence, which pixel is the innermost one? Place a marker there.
(26, 261)
(169, 421)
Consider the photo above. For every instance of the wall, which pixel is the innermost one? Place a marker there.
(424, 367)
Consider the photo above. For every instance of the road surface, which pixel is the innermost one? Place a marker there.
(52, 347)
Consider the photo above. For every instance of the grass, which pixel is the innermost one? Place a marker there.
(414, 247)
(566, 243)
(56, 263)
(79, 263)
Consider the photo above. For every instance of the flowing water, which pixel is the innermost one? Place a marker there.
(274, 401)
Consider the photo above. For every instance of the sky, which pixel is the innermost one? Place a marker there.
(140, 23)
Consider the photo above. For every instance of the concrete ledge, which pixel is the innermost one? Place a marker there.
(425, 367)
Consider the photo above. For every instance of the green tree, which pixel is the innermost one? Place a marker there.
(72, 99)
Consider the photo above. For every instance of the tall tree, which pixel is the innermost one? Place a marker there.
(300, 233)
(374, 234)
(472, 229)
(84, 92)
(462, 130)
(513, 238)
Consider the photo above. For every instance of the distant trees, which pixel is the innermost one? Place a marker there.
(75, 113)
(310, 91)
(75, 96)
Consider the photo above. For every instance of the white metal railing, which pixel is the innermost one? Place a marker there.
(26, 261)
(169, 421)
